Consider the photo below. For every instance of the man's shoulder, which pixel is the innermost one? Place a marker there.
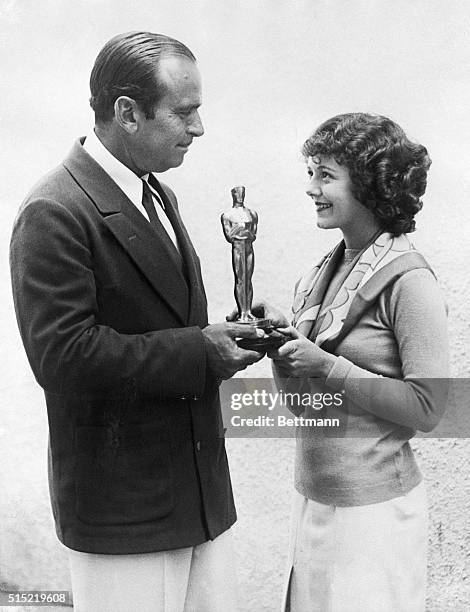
(58, 185)
(50, 183)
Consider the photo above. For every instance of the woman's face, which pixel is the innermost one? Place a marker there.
(330, 186)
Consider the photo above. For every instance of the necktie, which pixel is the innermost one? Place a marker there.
(167, 222)
(147, 203)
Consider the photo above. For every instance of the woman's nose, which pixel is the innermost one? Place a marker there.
(313, 188)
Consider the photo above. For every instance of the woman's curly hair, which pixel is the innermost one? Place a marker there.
(387, 170)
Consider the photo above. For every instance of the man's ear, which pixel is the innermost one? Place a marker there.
(127, 114)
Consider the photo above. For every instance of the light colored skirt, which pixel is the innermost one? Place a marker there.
(358, 559)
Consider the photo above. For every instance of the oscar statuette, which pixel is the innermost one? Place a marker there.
(240, 225)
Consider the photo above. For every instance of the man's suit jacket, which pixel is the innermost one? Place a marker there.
(111, 320)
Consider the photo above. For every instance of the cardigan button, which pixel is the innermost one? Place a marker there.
(198, 445)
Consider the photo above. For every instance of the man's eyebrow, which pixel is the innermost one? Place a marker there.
(187, 106)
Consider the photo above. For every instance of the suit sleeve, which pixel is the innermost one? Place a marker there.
(55, 301)
(419, 321)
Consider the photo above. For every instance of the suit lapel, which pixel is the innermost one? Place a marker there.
(198, 304)
(150, 252)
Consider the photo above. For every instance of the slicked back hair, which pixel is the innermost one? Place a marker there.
(127, 65)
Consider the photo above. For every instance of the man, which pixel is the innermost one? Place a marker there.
(112, 312)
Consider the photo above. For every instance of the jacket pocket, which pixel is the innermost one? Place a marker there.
(122, 476)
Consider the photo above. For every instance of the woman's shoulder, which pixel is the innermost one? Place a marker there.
(416, 292)
(415, 282)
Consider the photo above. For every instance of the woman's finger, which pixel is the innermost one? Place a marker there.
(287, 349)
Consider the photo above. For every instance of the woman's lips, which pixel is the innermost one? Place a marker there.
(322, 205)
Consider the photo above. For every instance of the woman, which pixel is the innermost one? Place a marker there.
(370, 321)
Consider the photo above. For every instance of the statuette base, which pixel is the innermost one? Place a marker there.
(273, 341)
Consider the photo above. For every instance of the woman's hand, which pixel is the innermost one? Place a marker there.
(301, 358)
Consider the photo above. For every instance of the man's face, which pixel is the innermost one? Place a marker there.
(161, 143)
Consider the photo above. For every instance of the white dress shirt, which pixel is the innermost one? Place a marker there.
(127, 181)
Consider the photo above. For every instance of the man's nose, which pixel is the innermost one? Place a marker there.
(196, 128)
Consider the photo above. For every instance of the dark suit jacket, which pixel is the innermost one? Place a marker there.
(111, 323)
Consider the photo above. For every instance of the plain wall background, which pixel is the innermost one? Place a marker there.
(272, 71)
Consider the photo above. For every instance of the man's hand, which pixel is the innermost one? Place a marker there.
(263, 310)
(224, 356)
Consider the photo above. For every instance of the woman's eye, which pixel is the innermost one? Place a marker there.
(325, 175)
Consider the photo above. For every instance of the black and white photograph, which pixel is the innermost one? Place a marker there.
(235, 254)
